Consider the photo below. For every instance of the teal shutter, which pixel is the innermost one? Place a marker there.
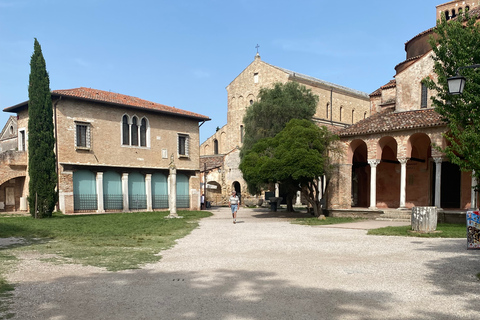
(137, 196)
(112, 191)
(84, 191)
(183, 198)
(159, 191)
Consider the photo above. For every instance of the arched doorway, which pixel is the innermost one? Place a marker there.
(238, 189)
(214, 193)
(360, 184)
(418, 176)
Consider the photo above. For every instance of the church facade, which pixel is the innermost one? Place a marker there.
(338, 107)
(391, 160)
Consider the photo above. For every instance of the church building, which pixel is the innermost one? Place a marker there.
(338, 107)
(390, 158)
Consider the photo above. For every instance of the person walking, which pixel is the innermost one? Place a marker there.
(233, 203)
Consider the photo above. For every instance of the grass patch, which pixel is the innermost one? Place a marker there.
(314, 221)
(114, 241)
(447, 230)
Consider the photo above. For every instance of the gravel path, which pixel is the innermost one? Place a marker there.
(264, 268)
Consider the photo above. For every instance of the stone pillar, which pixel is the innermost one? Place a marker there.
(424, 219)
(299, 198)
(277, 190)
(403, 182)
(148, 191)
(473, 202)
(99, 180)
(373, 183)
(125, 192)
(172, 192)
(438, 180)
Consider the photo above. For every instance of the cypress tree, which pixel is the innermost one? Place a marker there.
(41, 156)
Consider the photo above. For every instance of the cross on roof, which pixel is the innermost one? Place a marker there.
(257, 46)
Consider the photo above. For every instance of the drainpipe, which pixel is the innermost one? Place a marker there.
(331, 104)
(56, 147)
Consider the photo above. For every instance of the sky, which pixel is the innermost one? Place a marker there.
(184, 53)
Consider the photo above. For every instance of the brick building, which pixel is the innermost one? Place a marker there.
(391, 161)
(113, 153)
(338, 107)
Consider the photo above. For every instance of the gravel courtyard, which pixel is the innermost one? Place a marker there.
(264, 268)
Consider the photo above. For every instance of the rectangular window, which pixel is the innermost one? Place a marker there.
(183, 145)
(82, 135)
(424, 96)
(255, 77)
(21, 141)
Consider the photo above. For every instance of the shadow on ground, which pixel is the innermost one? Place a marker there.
(223, 294)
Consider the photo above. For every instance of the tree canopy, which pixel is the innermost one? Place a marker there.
(274, 108)
(295, 157)
(456, 45)
(41, 157)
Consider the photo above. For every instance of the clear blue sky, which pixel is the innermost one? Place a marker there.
(184, 53)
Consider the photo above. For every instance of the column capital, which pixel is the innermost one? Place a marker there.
(373, 162)
(438, 159)
(403, 160)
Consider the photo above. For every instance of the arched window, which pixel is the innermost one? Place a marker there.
(125, 131)
(251, 102)
(326, 109)
(341, 109)
(134, 131)
(447, 15)
(453, 14)
(353, 111)
(365, 115)
(467, 8)
(215, 146)
(242, 133)
(424, 98)
(143, 133)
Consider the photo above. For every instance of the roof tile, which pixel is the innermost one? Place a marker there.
(388, 120)
(124, 100)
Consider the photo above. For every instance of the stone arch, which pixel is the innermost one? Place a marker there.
(387, 146)
(388, 174)
(12, 175)
(354, 145)
(360, 179)
(214, 193)
(237, 187)
(419, 146)
(419, 178)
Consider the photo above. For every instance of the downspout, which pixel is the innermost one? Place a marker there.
(331, 105)
(56, 146)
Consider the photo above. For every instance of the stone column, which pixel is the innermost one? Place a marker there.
(125, 192)
(438, 179)
(299, 198)
(473, 202)
(100, 208)
(148, 191)
(373, 183)
(403, 182)
(277, 190)
(172, 194)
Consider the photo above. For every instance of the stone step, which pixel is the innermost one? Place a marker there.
(395, 215)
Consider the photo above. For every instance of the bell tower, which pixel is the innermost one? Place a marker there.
(452, 9)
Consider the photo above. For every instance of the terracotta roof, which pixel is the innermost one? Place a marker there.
(390, 84)
(124, 100)
(115, 99)
(389, 120)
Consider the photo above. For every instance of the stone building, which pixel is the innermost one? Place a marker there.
(391, 161)
(113, 153)
(337, 107)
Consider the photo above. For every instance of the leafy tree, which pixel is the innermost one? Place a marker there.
(456, 45)
(295, 157)
(274, 108)
(41, 156)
